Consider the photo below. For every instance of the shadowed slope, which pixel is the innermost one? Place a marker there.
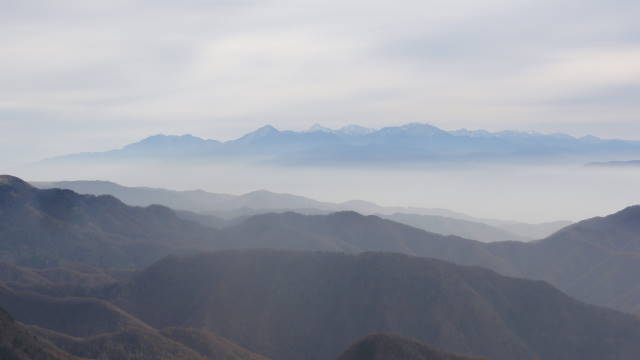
(81, 276)
(209, 345)
(449, 226)
(73, 316)
(351, 232)
(45, 228)
(126, 345)
(94, 329)
(149, 344)
(595, 260)
(393, 347)
(290, 305)
(17, 343)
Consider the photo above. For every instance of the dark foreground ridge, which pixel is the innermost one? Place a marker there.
(17, 343)
(394, 347)
(45, 228)
(313, 305)
(595, 260)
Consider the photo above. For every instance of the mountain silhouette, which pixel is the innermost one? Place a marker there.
(352, 232)
(216, 207)
(396, 144)
(594, 260)
(394, 347)
(44, 228)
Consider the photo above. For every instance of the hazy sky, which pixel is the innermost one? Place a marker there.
(93, 75)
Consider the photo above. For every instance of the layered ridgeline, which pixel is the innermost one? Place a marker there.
(19, 342)
(594, 260)
(236, 304)
(69, 322)
(125, 341)
(400, 144)
(305, 305)
(213, 209)
(50, 227)
(312, 305)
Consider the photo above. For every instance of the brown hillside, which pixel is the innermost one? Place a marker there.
(393, 347)
(17, 343)
(305, 305)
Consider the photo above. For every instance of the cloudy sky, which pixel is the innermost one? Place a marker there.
(93, 75)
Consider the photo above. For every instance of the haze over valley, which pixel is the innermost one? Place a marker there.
(524, 177)
(320, 180)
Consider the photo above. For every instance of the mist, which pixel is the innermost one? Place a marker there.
(509, 192)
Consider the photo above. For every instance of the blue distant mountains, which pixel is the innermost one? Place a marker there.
(411, 143)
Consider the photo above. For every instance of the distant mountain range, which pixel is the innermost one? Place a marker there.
(219, 210)
(411, 143)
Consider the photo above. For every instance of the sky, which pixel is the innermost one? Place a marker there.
(87, 75)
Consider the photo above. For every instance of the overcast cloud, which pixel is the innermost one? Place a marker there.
(95, 75)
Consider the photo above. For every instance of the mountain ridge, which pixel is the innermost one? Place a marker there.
(395, 347)
(262, 201)
(18, 343)
(591, 260)
(415, 142)
(45, 228)
(285, 296)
